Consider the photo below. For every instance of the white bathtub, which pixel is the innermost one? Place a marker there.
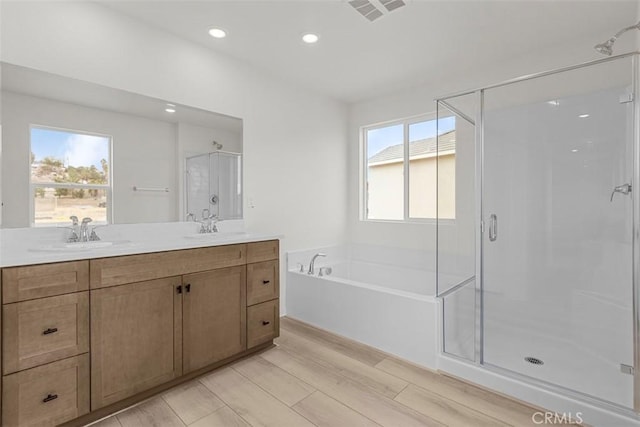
(389, 307)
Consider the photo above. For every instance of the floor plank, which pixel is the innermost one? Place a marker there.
(357, 351)
(192, 401)
(380, 409)
(324, 411)
(491, 404)
(154, 412)
(279, 383)
(444, 410)
(366, 375)
(251, 402)
(112, 421)
(223, 417)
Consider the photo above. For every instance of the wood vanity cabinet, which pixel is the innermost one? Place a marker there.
(45, 343)
(79, 336)
(136, 338)
(214, 316)
(263, 291)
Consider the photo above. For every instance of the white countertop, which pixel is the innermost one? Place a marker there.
(26, 246)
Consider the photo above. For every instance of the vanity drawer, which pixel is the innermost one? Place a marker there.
(115, 271)
(263, 323)
(44, 330)
(47, 395)
(45, 280)
(263, 282)
(263, 251)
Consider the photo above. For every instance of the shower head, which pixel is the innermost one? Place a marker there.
(606, 48)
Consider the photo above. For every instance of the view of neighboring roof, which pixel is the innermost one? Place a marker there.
(418, 148)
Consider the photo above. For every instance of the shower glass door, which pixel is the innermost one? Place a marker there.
(558, 227)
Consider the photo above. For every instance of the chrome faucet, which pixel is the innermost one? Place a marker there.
(313, 261)
(209, 221)
(191, 217)
(84, 232)
(93, 237)
(74, 236)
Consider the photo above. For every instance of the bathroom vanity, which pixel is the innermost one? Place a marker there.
(85, 337)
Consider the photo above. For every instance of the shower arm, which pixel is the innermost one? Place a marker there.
(624, 30)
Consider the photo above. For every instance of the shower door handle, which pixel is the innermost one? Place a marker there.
(493, 227)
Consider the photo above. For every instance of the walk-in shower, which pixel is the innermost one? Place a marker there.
(537, 273)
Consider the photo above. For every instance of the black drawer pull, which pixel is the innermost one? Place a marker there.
(265, 322)
(188, 287)
(50, 331)
(179, 289)
(49, 398)
(264, 282)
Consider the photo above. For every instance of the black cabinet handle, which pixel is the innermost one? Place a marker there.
(264, 282)
(265, 322)
(188, 287)
(49, 398)
(50, 331)
(179, 289)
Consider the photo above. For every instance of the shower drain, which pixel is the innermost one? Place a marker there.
(534, 361)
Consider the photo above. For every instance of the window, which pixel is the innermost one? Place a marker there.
(70, 175)
(401, 161)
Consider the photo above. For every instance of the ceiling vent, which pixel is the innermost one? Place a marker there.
(392, 5)
(369, 10)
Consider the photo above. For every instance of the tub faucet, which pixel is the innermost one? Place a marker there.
(313, 260)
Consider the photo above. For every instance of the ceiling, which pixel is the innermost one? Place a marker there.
(51, 86)
(356, 59)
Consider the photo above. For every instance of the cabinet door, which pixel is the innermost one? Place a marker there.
(136, 338)
(214, 316)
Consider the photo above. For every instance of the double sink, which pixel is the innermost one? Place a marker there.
(102, 244)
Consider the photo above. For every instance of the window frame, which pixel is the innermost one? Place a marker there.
(32, 186)
(363, 173)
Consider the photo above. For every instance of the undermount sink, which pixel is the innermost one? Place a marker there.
(218, 235)
(78, 246)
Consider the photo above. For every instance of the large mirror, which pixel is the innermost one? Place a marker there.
(71, 147)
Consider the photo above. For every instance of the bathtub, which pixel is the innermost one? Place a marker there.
(388, 306)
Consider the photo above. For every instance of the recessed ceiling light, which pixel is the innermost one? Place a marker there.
(555, 102)
(574, 151)
(170, 108)
(217, 33)
(583, 116)
(310, 38)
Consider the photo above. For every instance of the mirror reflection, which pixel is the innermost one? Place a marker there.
(73, 148)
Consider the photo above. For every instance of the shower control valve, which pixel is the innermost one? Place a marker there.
(622, 189)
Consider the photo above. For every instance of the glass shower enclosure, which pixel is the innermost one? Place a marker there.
(214, 182)
(537, 273)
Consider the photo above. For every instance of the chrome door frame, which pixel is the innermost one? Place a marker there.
(481, 229)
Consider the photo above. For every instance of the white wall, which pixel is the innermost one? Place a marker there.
(142, 155)
(294, 140)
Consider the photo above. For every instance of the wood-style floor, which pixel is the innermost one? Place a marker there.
(314, 378)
